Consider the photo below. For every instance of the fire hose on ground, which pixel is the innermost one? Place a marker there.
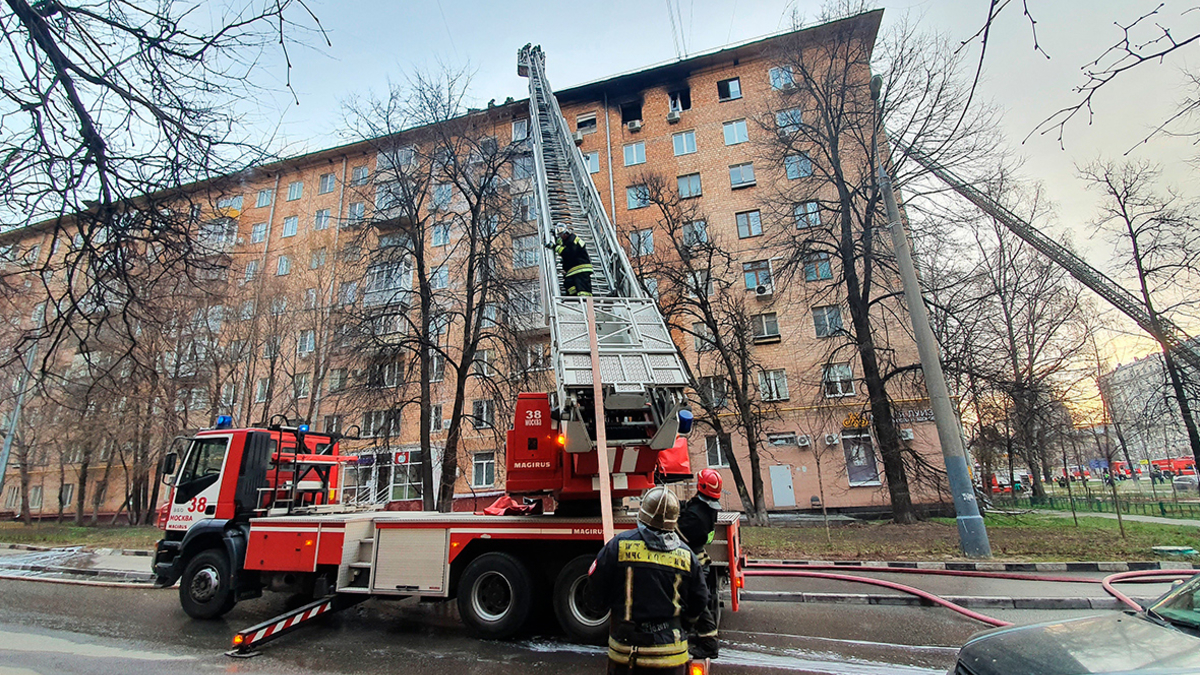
(811, 572)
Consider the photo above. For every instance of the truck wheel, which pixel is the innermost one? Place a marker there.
(204, 589)
(494, 596)
(579, 621)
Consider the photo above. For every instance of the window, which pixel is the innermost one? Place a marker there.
(817, 267)
(380, 423)
(333, 424)
(310, 298)
(592, 161)
(522, 168)
(808, 214)
(689, 185)
(234, 203)
(735, 132)
(711, 391)
(12, 497)
(483, 363)
(263, 199)
(484, 474)
(520, 130)
(284, 266)
(302, 385)
(260, 389)
(67, 494)
(741, 175)
(631, 111)
(749, 224)
(772, 385)
(718, 450)
(406, 475)
(251, 269)
(321, 220)
(797, 166)
(229, 394)
(635, 153)
(781, 439)
(537, 356)
(637, 196)
(586, 123)
(387, 374)
(35, 497)
(838, 380)
(695, 233)
(306, 342)
(247, 310)
(358, 175)
(295, 191)
(490, 316)
(524, 207)
(348, 292)
(684, 142)
(258, 233)
(325, 184)
(757, 273)
(482, 413)
(439, 278)
(701, 280)
(651, 286)
(765, 326)
(641, 242)
(356, 213)
(860, 459)
(441, 234)
(291, 225)
(679, 100)
(782, 77)
(279, 305)
(337, 380)
(437, 367)
(435, 417)
(827, 320)
(525, 251)
(316, 259)
(728, 90)
(442, 193)
(702, 337)
(789, 121)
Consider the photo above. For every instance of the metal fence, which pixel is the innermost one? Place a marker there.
(1164, 508)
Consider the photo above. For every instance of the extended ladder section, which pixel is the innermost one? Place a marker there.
(640, 368)
(1163, 330)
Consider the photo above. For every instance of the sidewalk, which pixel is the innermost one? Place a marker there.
(1158, 520)
(76, 562)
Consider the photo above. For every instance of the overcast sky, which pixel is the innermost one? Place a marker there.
(376, 41)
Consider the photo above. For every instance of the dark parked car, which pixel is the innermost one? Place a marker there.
(1161, 639)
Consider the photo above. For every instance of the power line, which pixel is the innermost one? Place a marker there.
(674, 32)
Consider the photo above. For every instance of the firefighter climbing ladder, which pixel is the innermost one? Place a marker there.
(638, 362)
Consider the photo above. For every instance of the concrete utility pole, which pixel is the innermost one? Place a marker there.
(16, 416)
(972, 533)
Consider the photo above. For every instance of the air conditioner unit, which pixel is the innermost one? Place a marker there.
(578, 136)
(634, 125)
(787, 86)
(804, 441)
(906, 434)
(832, 439)
(764, 291)
(673, 117)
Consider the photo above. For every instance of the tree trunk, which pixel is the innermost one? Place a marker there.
(1185, 409)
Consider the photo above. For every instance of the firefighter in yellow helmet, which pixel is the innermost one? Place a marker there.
(653, 585)
(576, 263)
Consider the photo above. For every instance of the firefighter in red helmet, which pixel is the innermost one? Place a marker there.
(697, 522)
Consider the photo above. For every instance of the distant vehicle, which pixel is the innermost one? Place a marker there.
(1186, 483)
(1164, 638)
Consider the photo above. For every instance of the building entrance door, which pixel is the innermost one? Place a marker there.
(781, 486)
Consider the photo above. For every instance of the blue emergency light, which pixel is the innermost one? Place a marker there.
(685, 421)
(303, 428)
(224, 422)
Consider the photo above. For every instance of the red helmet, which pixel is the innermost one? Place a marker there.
(708, 483)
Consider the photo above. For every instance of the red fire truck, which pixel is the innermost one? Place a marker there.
(259, 509)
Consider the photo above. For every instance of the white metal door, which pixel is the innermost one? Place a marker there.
(781, 486)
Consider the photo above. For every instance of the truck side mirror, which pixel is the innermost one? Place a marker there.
(168, 463)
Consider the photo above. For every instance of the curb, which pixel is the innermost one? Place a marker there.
(77, 582)
(101, 551)
(1135, 566)
(970, 601)
(115, 575)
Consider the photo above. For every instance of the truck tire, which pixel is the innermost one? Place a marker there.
(495, 594)
(204, 588)
(578, 620)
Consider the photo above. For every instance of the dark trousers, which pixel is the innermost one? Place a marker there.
(615, 668)
(578, 284)
(702, 639)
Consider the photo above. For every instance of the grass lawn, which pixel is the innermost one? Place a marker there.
(62, 534)
(1028, 537)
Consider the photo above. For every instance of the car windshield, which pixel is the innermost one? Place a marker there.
(1182, 605)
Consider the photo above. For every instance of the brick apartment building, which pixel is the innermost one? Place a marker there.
(283, 274)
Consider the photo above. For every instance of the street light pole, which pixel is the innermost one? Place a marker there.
(972, 533)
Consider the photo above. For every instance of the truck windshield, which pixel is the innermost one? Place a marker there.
(201, 468)
(1182, 605)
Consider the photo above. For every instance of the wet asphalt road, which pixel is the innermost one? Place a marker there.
(51, 628)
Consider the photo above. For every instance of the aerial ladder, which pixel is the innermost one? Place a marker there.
(637, 401)
(1159, 327)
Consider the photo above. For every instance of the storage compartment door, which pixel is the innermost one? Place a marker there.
(410, 561)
